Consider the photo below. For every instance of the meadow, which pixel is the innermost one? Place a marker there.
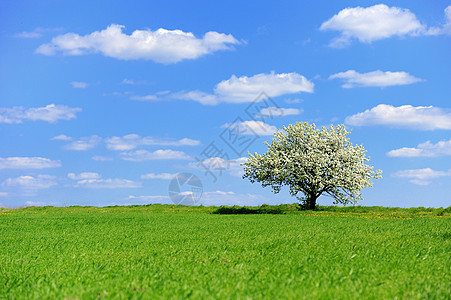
(169, 251)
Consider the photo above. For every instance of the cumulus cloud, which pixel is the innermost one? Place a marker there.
(165, 176)
(251, 128)
(246, 89)
(242, 89)
(143, 155)
(79, 84)
(28, 163)
(161, 46)
(278, 112)
(421, 176)
(84, 143)
(131, 141)
(31, 182)
(405, 116)
(427, 149)
(374, 79)
(50, 113)
(372, 23)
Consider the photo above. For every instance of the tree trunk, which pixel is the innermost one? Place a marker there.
(311, 201)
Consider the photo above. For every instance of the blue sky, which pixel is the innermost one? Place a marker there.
(103, 102)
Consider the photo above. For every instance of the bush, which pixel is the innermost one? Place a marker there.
(263, 209)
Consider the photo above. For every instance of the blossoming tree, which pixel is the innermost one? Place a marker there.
(313, 162)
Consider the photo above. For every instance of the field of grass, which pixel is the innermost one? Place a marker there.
(168, 251)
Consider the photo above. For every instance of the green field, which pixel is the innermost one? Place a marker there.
(164, 251)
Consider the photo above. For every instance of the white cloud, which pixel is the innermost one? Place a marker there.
(102, 158)
(35, 203)
(187, 193)
(36, 33)
(95, 181)
(293, 101)
(62, 137)
(215, 193)
(162, 46)
(84, 175)
(29, 34)
(218, 164)
(242, 89)
(143, 155)
(147, 200)
(41, 203)
(134, 82)
(374, 79)
(3, 194)
(118, 94)
(278, 112)
(31, 183)
(129, 81)
(215, 198)
(198, 96)
(427, 149)
(406, 116)
(219, 198)
(131, 141)
(158, 96)
(84, 143)
(235, 167)
(50, 113)
(145, 98)
(108, 183)
(421, 176)
(165, 176)
(446, 28)
(124, 143)
(251, 128)
(28, 163)
(79, 84)
(246, 89)
(372, 23)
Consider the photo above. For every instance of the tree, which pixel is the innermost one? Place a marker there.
(313, 162)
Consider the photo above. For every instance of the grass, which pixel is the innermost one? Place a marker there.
(168, 251)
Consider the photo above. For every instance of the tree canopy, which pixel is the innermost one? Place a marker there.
(313, 162)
